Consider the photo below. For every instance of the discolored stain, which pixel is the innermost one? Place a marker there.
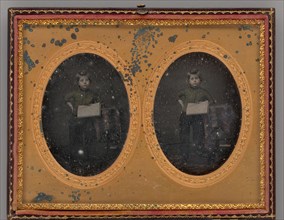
(249, 43)
(42, 197)
(27, 27)
(43, 45)
(56, 43)
(160, 34)
(173, 38)
(73, 36)
(144, 39)
(75, 196)
(28, 61)
(186, 28)
(245, 28)
(26, 41)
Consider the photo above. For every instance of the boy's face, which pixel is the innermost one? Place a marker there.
(194, 80)
(84, 82)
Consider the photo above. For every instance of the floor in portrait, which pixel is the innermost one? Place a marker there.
(196, 160)
(100, 157)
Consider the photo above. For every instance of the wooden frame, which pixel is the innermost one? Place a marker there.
(139, 55)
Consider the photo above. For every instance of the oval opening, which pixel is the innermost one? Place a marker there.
(85, 114)
(197, 113)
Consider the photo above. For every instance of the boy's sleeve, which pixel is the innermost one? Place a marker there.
(209, 97)
(181, 96)
(68, 97)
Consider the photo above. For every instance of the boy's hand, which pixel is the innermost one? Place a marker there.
(70, 105)
(181, 103)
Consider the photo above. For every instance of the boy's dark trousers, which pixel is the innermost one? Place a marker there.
(196, 122)
(81, 137)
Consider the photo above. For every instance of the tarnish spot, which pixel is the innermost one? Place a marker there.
(245, 28)
(144, 39)
(28, 27)
(73, 36)
(42, 197)
(75, 196)
(28, 60)
(173, 38)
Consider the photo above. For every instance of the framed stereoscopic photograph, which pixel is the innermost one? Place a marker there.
(141, 113)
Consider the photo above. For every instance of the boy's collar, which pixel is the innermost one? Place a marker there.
(196, 87)
(82, 90)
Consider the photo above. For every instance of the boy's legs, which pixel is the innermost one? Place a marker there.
(90, 137)
(184, 123)
(75, 137)
(197, 122)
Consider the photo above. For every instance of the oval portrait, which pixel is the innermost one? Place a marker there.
(197, 113)
(85, 114)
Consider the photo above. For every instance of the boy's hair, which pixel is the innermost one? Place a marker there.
(82, 73)
(194, 72)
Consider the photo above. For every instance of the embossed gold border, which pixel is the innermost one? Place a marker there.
(198, 181)
(184, 180)
(128, 148)
(19, 115)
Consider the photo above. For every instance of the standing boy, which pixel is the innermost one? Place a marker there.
(193, 94)
(82, 131)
